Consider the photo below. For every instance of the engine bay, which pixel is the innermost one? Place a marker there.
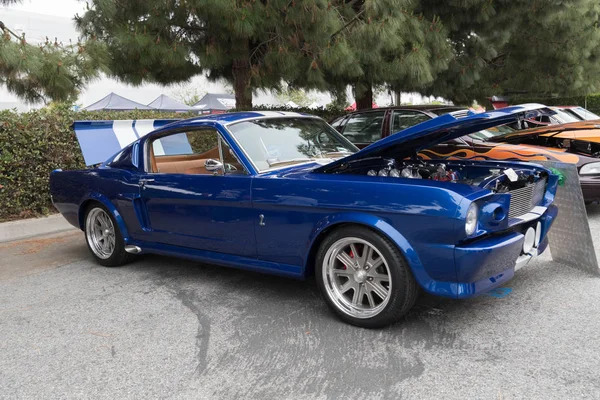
(498, 178)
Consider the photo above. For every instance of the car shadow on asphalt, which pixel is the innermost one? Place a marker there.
(181, 274)
(593, 210)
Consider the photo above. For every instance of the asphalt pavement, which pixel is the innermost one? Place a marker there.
(166, 328)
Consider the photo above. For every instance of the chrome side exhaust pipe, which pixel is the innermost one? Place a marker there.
(133, 249)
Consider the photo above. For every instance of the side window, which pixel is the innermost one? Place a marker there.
(186, 143)
(405, 119)
(542, 118)
(194, 153)
(364, 127)
(339, 123)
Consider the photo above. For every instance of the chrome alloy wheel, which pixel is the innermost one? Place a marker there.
(100, 233)
(357, 277)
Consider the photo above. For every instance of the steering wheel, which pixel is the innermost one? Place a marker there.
(230, 167)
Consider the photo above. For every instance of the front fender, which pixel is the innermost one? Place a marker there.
(105, 201)
(381, 226)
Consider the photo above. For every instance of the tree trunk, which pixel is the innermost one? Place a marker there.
(397, 97)
(241, 79)
(364, 100)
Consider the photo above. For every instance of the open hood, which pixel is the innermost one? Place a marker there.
(409, 142)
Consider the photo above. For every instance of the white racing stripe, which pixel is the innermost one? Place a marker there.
(157, 147)
(124, 132)
(144, 126)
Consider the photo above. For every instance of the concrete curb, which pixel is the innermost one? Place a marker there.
(21, 229)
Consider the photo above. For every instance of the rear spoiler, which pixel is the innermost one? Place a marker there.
(99, 140)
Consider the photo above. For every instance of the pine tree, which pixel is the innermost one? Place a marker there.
(520, 48)
(46, 71)
(393, 45)
(252, 44)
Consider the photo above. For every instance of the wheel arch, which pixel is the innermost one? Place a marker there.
(97, 198)
(329, 224)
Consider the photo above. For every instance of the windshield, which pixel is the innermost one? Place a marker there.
(563, 117)
(277, 142)
(487, 134)
(585, 114)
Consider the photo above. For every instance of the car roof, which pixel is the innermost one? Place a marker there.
(226, 119)
(419, 107)
(229, 118)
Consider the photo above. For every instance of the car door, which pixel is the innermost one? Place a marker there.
(364, 128)
(196, 194)
(453, 149)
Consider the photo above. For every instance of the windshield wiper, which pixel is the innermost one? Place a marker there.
(293, 160)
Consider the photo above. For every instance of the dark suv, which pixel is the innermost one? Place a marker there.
(367, 126)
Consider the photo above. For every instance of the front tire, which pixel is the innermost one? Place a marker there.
(103, 237)
(364, 278)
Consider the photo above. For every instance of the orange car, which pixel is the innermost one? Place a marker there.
(576, 143)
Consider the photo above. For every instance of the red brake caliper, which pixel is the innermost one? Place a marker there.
(351, 256)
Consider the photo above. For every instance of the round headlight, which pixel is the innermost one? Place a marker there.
(471, 222)
(590, 169)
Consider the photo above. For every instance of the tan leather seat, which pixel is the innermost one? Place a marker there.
(184, 164)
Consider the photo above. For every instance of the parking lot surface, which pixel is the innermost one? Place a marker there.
(168, 328)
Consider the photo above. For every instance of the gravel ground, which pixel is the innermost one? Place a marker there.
(166, 328)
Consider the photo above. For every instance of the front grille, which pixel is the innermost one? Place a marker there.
(522, 200)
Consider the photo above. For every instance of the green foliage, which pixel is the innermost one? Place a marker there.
(394, 45)
(50, 70)
(532, 48)
(298, 96)
(37, 142)
(253, 45)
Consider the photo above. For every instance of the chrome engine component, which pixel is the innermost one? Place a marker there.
(527, 190)
(394, 173)
(411, 173)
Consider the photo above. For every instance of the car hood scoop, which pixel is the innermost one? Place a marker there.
(409, 142)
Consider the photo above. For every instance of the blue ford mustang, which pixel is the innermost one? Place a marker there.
(284, 193)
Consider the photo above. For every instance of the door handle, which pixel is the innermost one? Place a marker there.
(143, 181)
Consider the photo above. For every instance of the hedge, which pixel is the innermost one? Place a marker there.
(32, 144)
(591, 102)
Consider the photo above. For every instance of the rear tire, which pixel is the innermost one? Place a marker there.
(103, 237)
(364, 278)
